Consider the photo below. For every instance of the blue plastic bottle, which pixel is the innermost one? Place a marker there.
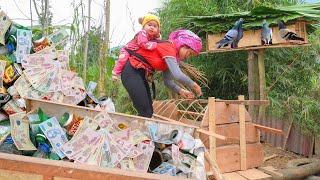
(42, 151)
(8, 146)
(8, 48)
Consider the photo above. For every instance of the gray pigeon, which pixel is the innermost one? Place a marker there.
(266, 33)
(230, 36)
(240, 35)
(286, 34)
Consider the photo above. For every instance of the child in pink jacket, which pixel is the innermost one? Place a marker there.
(150, 31)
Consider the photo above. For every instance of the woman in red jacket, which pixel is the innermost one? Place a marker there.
(181, 45)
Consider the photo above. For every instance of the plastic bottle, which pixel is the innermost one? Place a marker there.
(9, 147)
(8, 48)
(40, 137)
(42, 151)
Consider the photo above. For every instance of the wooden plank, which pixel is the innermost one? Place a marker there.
(255, 174)
(231, 132)
(226, 114)
(233, 176)
(16, 175)
(242, 126)
(57, 109)
(258, 47)
(247, 102)
(212, 126)
(228, 157)
(51, 168)
(62, 178)
(209, 133)
(269, 129)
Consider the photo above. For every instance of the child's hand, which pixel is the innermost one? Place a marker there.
(158, 37)
(115, 77)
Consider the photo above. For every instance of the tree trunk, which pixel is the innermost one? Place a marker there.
(104, 51)
(85, 52)
(262, 83)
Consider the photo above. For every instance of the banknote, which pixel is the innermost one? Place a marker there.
(127, 164)
(63, 59)
(134, 152)
(90, 150)
(177, 161)
(36, 60)
(91, 86)
(106, 160)
(165, 168)
(11, 107)
(21, 85)
(2, 68)
(78, 97)
(117, 153)
(78, 83)
(80, 142)
(23, 43)
(137, 137)
(54, 133)
(46, 84)
(124, 134)
(4, 26)
(31, 92)
(16, 97)
(56, 84)
(67, 79)
(105, 122)
(49, 50)
(20, 132)
(58, 37)
(141, 162)
(87, 122)
(54, 96)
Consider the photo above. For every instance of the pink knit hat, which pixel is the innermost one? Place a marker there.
(186, 37)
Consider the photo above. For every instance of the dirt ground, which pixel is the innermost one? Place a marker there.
(282, 158)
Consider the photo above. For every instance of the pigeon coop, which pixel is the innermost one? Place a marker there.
(241, 149)
(252, 38)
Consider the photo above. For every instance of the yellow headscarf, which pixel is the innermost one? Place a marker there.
(150, 17)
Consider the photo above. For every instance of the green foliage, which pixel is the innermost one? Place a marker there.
(252, 20)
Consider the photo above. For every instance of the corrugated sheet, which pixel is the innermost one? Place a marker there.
(298, 143)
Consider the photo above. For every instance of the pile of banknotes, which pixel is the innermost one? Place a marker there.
(99, 141)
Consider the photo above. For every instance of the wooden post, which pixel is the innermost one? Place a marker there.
(251, 89)
(243, 144)
(212, 126)
(262, 83)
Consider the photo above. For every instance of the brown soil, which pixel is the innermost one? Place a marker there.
(282, 158)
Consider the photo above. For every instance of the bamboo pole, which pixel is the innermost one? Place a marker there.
(85, 52)
(262, 83)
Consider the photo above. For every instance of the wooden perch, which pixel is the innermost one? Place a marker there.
(269, 129)
(247, 102)
(211, 134)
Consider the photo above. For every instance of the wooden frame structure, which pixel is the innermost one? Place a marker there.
(228, 118)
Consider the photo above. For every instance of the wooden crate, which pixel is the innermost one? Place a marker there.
(25, 167)
(252, 38)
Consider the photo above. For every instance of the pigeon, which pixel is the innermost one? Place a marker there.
(286, 34)
(240, 34)
(230, 36)
(266, 33)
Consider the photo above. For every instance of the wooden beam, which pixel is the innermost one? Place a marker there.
(269, 129)
(247, 102)
(255, 48)
(190, 113)
(209, 133)
(212, 126)
(243, 144)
